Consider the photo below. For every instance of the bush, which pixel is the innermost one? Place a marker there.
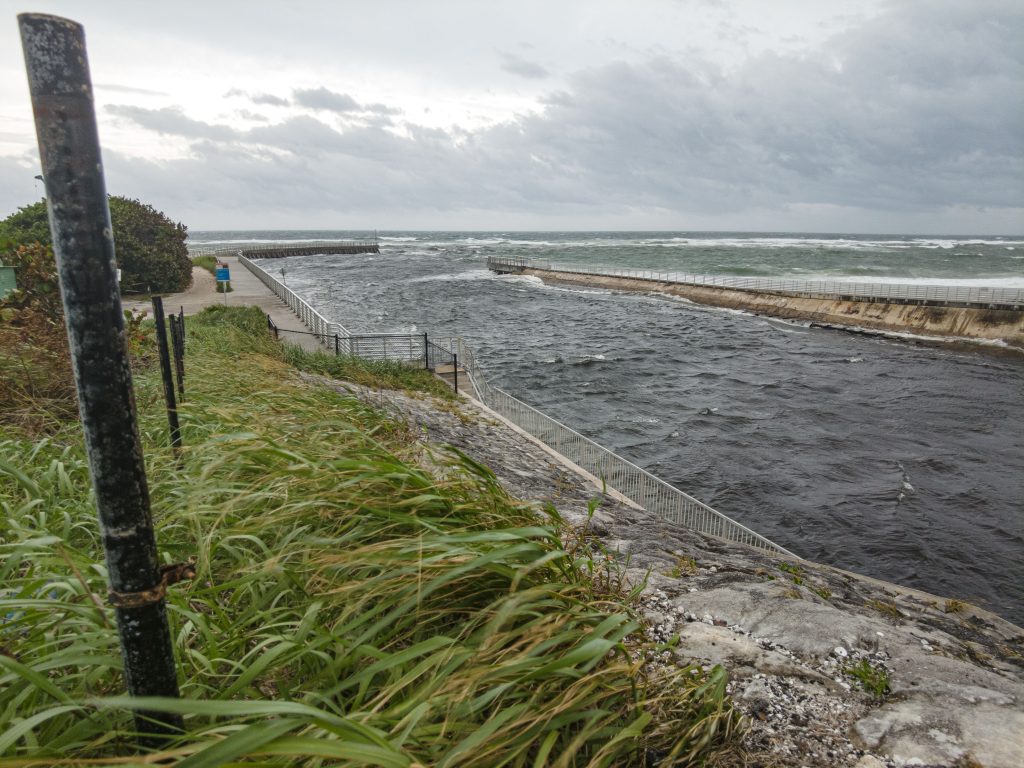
(37, 389)
(150, 248)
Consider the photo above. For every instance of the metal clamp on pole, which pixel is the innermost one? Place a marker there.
(169, 576)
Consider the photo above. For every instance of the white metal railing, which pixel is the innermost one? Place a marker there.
(627, 478)
(636, 484)
(324, 329)
(900, 292)
(212, 250)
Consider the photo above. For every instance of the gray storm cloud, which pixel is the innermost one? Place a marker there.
(915, 110)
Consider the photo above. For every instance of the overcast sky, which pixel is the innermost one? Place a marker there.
(788, 115)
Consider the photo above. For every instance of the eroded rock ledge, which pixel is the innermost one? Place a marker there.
(788, 631)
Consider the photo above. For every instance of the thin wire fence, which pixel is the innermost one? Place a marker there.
(636, 484)
(981, 296)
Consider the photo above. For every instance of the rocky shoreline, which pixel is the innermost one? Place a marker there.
(803, 642)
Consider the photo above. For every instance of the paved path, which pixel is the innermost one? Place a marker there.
(248, 291)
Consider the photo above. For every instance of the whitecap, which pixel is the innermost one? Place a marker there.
(589, 360)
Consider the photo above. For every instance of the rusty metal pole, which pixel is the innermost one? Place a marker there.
(58, 75)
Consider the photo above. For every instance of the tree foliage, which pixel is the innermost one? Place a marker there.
(150, 248)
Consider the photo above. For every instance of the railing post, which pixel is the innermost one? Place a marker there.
(337, 346)
(426, 352)
(455, 372)
(61, 91)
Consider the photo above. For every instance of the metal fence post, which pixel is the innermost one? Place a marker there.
(337, 346)
(61, 90)
(426, 352)
(455, 372)
(165, 371)
(178, 347)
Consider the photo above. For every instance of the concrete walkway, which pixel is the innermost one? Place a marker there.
(247, 291)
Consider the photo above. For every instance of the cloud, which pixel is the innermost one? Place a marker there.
(254, 116)
(173, 121)
(382, 109)
(321, 98)
(128, 89)
(517, 65)
(913, 114)
(269, 99)
(266, 99)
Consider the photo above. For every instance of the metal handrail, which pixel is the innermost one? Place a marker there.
(325, 329)
(985, 296)
(636, 484)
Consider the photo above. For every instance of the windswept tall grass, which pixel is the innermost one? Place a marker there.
(350, 609)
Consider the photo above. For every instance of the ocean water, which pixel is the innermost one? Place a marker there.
(888, 457)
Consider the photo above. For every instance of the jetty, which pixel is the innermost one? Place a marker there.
(284, 249)
(280, 251)
(945, 312)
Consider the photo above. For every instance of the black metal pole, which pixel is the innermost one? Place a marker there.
(181, 340)
(178, 347)
(337, 346)
(426, 352)
(455, 371)
(165, 372)
(61, 90)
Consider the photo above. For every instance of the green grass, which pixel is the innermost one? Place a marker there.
(685, 566)
(874, 680)
(887, 608)
(350, 608)
(209, 263)
(388, 374)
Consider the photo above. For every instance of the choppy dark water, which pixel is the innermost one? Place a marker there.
(896, 460)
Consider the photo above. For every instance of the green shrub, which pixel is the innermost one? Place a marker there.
(150, 248)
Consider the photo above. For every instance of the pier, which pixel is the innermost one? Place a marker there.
(834, 290)
(283, 249)
(944, 312)
(280, 251)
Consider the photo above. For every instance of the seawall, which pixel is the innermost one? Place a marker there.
(974, 324)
